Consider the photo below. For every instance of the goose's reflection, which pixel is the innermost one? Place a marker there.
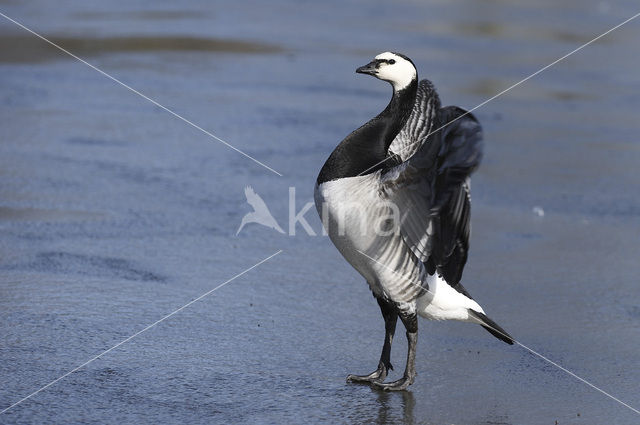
(387, 407)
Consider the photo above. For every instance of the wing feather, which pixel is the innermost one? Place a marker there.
(431, 191)
(419, 124)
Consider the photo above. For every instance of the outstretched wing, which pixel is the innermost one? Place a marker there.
(460, 155)
(421, 121)
(431, 192)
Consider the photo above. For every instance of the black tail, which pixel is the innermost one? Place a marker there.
(492, 327)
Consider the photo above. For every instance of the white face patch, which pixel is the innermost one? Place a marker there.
(399, 73)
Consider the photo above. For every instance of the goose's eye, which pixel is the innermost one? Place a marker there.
(392, 61)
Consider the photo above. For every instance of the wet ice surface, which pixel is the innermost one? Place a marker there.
(113, 214)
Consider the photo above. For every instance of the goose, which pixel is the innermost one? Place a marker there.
(394, 198)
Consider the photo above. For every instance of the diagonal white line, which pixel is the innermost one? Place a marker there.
(109, 76)
(517, 342)
(576, 376)
(141, 331)
(544, 68)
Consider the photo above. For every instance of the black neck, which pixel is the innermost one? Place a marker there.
(362, 151)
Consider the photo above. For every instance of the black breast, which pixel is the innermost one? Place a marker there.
(365, 150)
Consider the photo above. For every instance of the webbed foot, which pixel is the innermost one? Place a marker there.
(379, 375)
(399, 385)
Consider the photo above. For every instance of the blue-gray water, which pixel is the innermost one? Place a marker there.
(114, 213)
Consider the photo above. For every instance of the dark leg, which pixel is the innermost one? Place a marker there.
(410, 322)
(390, 315)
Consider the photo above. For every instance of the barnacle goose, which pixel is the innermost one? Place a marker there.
(394, 198)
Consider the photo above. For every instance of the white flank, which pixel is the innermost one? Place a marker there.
(352, 207)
